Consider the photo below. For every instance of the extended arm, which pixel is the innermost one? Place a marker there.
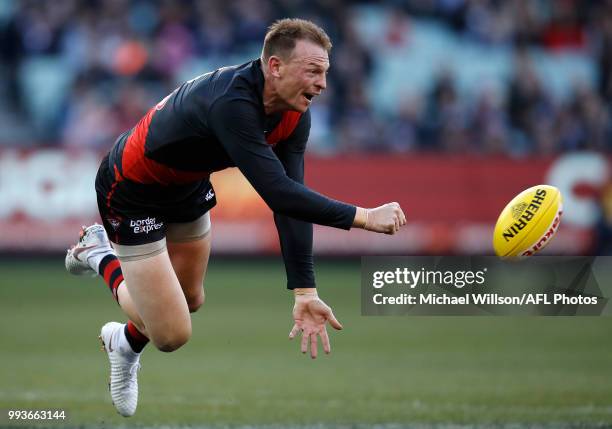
(238, 125)
(310, 313)
(295, 235)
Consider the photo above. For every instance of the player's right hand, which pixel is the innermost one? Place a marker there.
(388, 218)
(311, 316)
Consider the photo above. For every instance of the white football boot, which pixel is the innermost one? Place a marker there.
(84, 257)
(124, 366)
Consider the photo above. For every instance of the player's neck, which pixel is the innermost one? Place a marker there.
(271, 99)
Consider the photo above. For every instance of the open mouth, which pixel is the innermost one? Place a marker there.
(308, 96)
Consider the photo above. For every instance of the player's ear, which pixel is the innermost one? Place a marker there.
(274, 65)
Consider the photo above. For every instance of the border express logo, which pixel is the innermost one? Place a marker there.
(144, 226)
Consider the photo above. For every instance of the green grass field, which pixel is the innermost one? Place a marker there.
(240, 370)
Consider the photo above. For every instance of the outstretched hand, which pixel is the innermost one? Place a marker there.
(311, 315)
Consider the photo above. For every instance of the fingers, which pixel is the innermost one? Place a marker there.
(399, 217)
(294, 331)
(325, 341)
(392, 228)
(388, 218)
(313, 345)
(333, 321)
(315, 325)
(304, 346)
(312, 337)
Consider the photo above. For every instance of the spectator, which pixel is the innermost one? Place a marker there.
(122, 56)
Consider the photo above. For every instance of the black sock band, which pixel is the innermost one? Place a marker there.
(110, 270)
(135, 338)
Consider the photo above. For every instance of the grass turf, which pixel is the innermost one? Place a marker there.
(240, 369)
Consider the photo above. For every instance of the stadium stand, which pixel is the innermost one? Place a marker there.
(502, 77)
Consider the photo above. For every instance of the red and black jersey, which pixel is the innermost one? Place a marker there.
(216, 121)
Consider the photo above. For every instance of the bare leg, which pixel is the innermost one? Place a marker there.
(190, 261)
(126, 304)
(152, 297)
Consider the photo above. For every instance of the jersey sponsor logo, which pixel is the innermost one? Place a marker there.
(209, 195)
(144, 226)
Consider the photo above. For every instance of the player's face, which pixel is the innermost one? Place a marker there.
(303, 75)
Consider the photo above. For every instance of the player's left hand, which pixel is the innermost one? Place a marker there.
(311, 315)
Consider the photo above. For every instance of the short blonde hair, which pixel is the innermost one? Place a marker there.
(283, 34)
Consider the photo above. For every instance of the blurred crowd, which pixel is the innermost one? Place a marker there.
(118, 57)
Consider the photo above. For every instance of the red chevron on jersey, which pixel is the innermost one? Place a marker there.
(138, 168)
(284, 129)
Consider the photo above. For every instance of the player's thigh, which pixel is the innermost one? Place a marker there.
(190, 261)
(189, 249)
(159, 300)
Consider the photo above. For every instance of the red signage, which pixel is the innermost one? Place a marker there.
(451, 202)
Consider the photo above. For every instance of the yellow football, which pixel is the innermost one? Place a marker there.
(528, 222)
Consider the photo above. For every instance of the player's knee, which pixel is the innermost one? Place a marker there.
(196, 301)
(172, 341)
(171, 344)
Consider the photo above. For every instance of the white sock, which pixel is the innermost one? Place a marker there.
(124, 345)
(95, 256)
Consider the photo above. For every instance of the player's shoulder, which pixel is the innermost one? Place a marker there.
(237, 80)
(219, 90)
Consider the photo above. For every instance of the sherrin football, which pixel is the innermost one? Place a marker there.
(528, 223)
